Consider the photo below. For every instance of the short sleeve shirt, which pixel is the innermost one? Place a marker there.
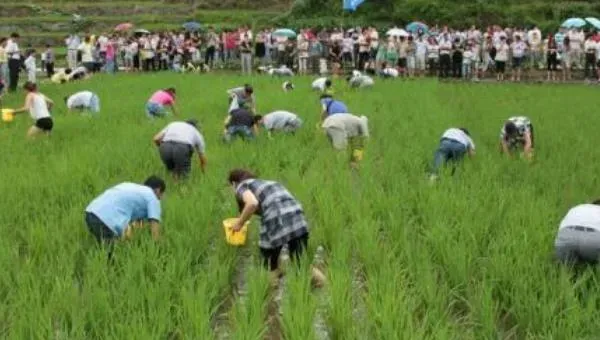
(523, 125)
(182, 132)
(123, 203)
(278, 119)
(162, 97)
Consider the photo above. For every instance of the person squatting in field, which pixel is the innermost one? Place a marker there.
(282, 219)
(517, 135)
(346, 130)
(283, 121)
(454, 144)
(359, 80)
(155, 107)
(39, 107)
(241, 122)
(242, 97)
(176, 144)
(330, 106)
(83, 101)
(108, 216)
(287, 86)
(578, 238)
(322, 85)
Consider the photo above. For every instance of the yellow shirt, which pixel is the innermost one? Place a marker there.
(59, 78)
(3, 56)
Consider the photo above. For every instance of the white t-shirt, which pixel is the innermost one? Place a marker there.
(277, 120)
(502, 52)
(459, 136)
(518, 49)
(182, 132)
(421, 48)
(86, 53)
(39, 108)
(390, 72)
(583, 215)
(12, 50)
(30, 64)
(319, 84)
(80, 99)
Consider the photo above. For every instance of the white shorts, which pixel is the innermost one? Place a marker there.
(420, 62)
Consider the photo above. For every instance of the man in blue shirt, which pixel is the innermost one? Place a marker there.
(330, 106)
(109, 215)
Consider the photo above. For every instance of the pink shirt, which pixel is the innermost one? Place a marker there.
(110, 51)
(162, 97)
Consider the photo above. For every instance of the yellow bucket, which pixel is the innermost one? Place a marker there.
(357, 155)
(237, 238)
(8, 115)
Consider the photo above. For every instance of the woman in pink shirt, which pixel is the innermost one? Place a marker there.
(155, 107)
(110, 57)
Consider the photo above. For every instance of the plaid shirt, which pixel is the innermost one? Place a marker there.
(282, 216)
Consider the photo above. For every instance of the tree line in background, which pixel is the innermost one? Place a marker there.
(547, 15)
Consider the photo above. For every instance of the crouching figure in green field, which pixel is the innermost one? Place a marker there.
(346, 131)
(578, 238)
(108, 216)
(282, 220)
(454, 145)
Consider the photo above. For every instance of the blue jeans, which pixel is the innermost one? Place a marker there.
(449, 151)
(238, 130)
(109, 67)
(155, 110)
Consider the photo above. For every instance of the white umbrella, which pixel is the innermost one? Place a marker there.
(397, 32)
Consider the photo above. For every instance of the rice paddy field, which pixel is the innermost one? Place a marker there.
(468, 258)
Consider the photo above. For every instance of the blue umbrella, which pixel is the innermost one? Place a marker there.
(417, 26)
(573, 22)
(284, 32)
(594, 22)
(192, 26)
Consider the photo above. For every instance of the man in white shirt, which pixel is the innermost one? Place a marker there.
(72, 43)
(283, 121)
(321, 84)
(177, 143)
(576, 39)
(518, 49)
(454, 144)
(83, 100)
(14, 61)
(420, 55)
(534, 39)
(578, 238)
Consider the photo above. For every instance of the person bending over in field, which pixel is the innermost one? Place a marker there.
(578, 238)
(282, 219)
(241, 122)
(454, 144)
(283, 121)
(177, 143)
(108, 216)
(61, 76)
(242, 97)
(359, 80)
(79, 73)
(345, 131)
(39, 107)
(517, 135)
(322, 84)
(155, 107)
(330, 106)
(287, 86)
(83, 101)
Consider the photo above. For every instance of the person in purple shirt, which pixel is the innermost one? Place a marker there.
(330, 106)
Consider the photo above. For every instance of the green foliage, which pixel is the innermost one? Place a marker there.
(469, 258)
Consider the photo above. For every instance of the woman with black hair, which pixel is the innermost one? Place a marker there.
(39, 107)
(282, 219)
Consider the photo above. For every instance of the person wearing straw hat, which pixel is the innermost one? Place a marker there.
(346, 130)
(108, 216)
(39, 107)
(282, 219)
(176, 144)
(82, 101)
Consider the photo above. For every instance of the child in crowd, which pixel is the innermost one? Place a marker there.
(467, 61)
(30, 66)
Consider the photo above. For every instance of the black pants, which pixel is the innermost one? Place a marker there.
(363, 57)
(445, 65)
(590, 65)
(103, 234)
(457, 64)
(209, 58)
(14, 66)
(177, 157)
(49, 69)
(295, 247)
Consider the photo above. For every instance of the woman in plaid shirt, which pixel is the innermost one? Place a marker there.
(282, 219)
